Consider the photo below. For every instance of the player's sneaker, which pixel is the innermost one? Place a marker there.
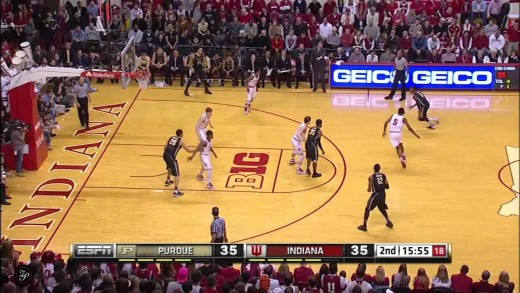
(308, 172)
(177, 193)
(402, 99)
(316, 175)
(186, 93)
(362, 228)
(403, 163)
(299, 171)
(168, 183)
(431, 126)
(207, 92)
(209, 186)
(292, 162)
(390, 225)
(200, 177)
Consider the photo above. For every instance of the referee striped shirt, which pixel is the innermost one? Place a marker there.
(81, 90)
(218, 227)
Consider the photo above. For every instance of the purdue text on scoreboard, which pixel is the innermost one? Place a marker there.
(340, 253)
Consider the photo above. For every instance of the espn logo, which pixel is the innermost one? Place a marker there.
(93, 250)
(256, 250)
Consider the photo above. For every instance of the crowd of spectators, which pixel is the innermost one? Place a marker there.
(475, 31)
(53, 274)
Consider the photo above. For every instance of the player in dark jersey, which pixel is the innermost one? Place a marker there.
(171, 149)
(199, 65)
(311, 148)
(377, 184)
(423, 105)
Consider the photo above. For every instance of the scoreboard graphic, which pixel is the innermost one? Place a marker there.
(275, 253)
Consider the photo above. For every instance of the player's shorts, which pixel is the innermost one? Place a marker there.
(201, 133)
(312, 152)
(377, 199)
(396, 138)
(251, 95)
(206, 161)
(171, 164)
(297, 146)
(423, 112)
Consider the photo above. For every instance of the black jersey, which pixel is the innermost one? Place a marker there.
(420, 99)
(199, 61)
(159, 58)
(314, 135)
(378, 182)
(174, 146)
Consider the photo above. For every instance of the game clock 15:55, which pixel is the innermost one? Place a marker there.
(415, 250)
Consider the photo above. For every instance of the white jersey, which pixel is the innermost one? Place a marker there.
(203, 122)
(396, 123)
(300, 132)
(206, 151)
(48, 270)
(252, 83)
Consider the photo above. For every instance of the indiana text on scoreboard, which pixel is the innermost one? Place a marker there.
(239, 253)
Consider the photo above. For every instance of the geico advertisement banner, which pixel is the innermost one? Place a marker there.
(422, 76)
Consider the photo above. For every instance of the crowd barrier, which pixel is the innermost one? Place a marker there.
(428, 76)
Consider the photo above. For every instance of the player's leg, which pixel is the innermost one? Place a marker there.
(168, 180)
(204, 76)
(402, 79)
(176, 178)
(371, 204)
(402, 155)
(249, 100)
(315, 157)
(299, 152)
(295, 150)
(189, 80)
(322, 80)
(209, 169)
(433, 121)
(308, 156)
(201, 134)
(382, 208)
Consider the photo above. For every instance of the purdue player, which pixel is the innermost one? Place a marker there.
(396, 133)
(252, 89)
(198, 65)
(311, 148)
(377, 184)
(297, 141)
(171, 149)
(206, 148)
(143, 62)
(423, 105)
(202, 124)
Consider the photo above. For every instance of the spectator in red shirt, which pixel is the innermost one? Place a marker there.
(379, 278)
(513, 37)
(302, 274)
(362, 268)
(329, 6)
(304, 40)
(421, 282)
(211, 285)
(480, 42)
(405, 43)
(483, 285)
(272, 6)
(229, 272)
(277, 44)
(504, 285)
(461, 283)
(464, 57)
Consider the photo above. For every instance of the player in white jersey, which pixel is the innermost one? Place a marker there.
(206, 148)
(298, 141)
(252, 89)
(397, 122)
(202, 124)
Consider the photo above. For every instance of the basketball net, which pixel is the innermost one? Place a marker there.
(143, 77)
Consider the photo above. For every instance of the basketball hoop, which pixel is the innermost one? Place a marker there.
(143, 77)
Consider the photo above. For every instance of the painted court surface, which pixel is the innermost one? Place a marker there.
(107, 184)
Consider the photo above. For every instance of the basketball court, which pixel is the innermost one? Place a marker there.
(106, 184)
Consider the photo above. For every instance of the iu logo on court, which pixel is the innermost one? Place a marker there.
(256, 250)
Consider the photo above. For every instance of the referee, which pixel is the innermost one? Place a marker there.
(82, 98)
(400, 76)
(218, 228)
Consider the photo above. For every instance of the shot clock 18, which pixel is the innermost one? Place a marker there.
(507, 77)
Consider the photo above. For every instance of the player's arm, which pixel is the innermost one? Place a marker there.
(386, 125)
(185, 147)
(319, 143)
(153, 59)
(166, 144)
(369, 189)
(412, 106)
(215, 154)
(387, 186)
(410, 128)
(199, 148)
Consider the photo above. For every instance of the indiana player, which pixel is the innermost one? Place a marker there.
(252, 89)
(423, 105)
(396, 133)
(206, 148)
(377, 184)
(171, 149)
(297, 141)
(202, 124)
(331, 282)
(311, 148)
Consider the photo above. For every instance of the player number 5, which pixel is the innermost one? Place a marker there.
(359, 250)
(228, 250)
